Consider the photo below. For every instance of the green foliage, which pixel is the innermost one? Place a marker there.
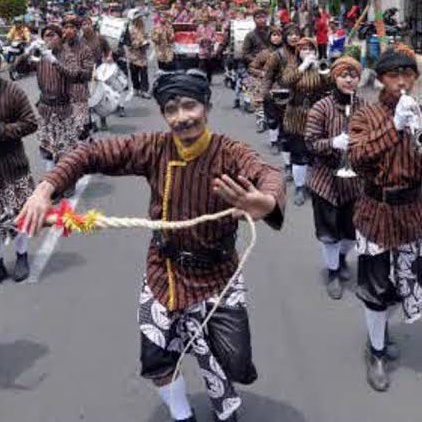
(353, 51)
(9, 9)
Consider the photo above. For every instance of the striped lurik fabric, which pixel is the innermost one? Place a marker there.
(188, 195)
(274, 68)
(79, 56)
(326, 120)
(307, 88)
(382, 156)
(17, 120)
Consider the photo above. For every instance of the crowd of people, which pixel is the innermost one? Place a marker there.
(358, 162)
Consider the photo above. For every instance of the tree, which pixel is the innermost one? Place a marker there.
(9, 9)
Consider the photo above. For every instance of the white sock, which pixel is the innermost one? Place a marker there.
(286, 158)
(273, 135)
(376, 323)
(21, 243)
(174, 396)
(49, 165)
(299, 175)
(331, 254)
(346, 246)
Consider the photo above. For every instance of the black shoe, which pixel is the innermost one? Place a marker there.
(21, 271)
(232, 418)
(334, 286)
(3, 271)
(376, 372)
(288, 174)
(344, 271)
(236, 104)
(299, 198)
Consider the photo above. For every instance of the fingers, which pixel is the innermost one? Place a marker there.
(246, 184)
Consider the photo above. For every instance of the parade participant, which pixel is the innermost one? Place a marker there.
(16, 184)
(163, 38)
(98, 44)
(257, 73)
(57, 130)
(100, 49)
(273, 78)
(256, 40)
(388, 216)
(333, 198)
(207, 37)
(186, 269)
(307, 86)
(78, 54)
(136, 53)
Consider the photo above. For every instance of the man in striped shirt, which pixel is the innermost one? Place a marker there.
(191, 172)
(333, 198)
(388, 216)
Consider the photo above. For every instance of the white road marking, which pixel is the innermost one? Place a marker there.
(53, 235)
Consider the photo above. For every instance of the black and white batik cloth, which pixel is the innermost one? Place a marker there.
(172, 331)
(405, 272)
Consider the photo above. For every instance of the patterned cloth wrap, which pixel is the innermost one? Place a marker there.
(172, 331)
(403, 273)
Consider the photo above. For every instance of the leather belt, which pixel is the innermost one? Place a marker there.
(203, 259)
(54, 101)
(393, 196)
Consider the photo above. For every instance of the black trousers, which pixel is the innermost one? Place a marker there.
(207, 66)
(322, 51)
(139, 77)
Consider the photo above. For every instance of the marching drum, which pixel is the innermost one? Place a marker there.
(112, 30)
(103, 99)
(112, 76)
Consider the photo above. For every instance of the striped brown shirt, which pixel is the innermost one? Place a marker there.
(326, 120)
(189, 189)
(307, 88)
(381, 156)
(17, 120)
(275, 66)
(79, 56)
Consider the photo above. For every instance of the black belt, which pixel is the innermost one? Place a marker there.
(54, 101)
(393, 196)
(203, 259)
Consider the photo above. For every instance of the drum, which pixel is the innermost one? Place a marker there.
(112, 76)
(103, 100)
(238, 30)
(112, 30)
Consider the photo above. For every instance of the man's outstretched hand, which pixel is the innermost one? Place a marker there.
(34, 211)
(243, 195)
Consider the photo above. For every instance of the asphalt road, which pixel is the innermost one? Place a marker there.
(69, 340)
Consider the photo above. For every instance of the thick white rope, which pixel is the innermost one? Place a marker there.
(102, 222)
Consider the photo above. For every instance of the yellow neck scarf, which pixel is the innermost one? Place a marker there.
(196, 149)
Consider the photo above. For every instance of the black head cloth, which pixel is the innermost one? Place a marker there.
(192, 83)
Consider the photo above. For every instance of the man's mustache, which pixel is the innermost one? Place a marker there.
(184, 126)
